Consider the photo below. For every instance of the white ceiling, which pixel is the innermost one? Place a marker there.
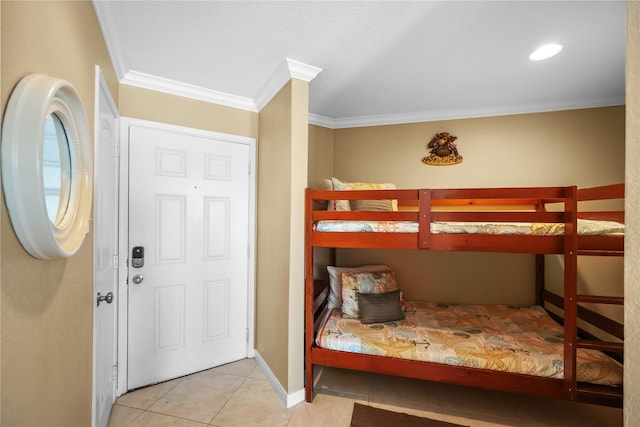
(382, 61)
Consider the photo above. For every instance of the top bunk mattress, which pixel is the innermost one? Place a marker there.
(586, 227)
(523, 340)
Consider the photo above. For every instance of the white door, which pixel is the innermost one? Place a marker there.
(105, 253)
(188, 249)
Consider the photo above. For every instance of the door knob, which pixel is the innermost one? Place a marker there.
(108, 298)
(137, 279)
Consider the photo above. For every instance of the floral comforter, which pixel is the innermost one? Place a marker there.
(585, 227)
(504, 338)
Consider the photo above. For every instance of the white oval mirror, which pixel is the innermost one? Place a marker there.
(47, 166)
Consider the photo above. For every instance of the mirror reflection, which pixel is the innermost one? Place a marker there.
(55, 168)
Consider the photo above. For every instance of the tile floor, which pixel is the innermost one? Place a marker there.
(239, 394)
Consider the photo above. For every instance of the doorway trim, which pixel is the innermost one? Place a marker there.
(123, 296)
(102, 92)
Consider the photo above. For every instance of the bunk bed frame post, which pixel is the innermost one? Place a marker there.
(540, 266)
(570, 291)
(308, 295)
(424, 219)
(540, 279)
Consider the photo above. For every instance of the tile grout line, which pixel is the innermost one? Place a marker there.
(142, 411)
(230, 397)
(175, 416)
(153, 403)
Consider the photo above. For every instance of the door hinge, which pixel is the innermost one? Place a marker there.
(115, 261)
(247, 335)
(249, 168)
(116, 152)
(114, 373)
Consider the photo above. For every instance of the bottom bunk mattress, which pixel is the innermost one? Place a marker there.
(514, 339)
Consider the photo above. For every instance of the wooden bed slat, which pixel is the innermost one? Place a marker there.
(599, 299)
(366, 240)
(495, 243)
(617, 216)
(604, 192)
(553, 194)
(601, 345)
(320, 299)
(541, 217)
(366, 215)
(366, 195)
(482, 378)
(601, 245)
(600, 395)
(603, 323)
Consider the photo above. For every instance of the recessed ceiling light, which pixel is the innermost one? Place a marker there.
(546, 51)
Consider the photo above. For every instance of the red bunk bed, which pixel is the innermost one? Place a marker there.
(513, 220)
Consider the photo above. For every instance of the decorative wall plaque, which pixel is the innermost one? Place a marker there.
(442, 151)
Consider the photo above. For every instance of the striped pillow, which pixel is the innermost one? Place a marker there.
(371, 205)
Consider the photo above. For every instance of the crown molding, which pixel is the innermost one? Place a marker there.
(287, 70)
(301, 71)
(318, 120)
(431, 116)
(147, 81)
(110, 34)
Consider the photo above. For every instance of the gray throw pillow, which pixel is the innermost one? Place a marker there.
(380, 308)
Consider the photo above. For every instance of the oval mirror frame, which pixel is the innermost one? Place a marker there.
(35, 98)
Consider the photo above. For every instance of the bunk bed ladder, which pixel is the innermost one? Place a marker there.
(570, 292)
(589, 392)
(573, 311)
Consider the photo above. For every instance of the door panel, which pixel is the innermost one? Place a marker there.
(105, 252)
(189, 209)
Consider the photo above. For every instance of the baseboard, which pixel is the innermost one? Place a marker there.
(288, 399)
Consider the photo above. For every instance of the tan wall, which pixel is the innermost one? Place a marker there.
(46, 306)
(282, 177)
(632, 236)
(160, 107)
(320, 167)
(273, 234)
(320, 155)
(581, 147)
(299, 181)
